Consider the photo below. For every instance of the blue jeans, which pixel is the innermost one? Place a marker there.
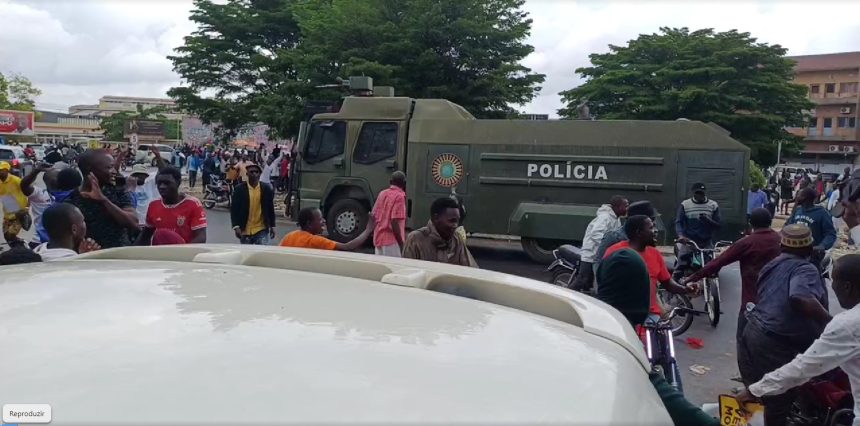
(260, 238)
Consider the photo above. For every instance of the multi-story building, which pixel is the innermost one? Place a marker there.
(109, 105)
(831, 137)
(54, 127)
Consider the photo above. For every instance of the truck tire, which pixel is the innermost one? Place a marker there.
(540, 250)
(346, 219)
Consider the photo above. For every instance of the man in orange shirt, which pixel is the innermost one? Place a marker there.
(642, 236)
(311, 224)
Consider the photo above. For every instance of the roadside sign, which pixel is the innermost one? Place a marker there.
(16, 122)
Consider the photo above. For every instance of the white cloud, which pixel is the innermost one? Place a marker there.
(78, 51)
(565, 32)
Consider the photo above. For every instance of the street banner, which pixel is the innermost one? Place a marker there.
(145, 129)
(16, 122)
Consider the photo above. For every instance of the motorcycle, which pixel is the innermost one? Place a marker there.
(565, 266)
(217, 192)
(825, 400)
(659, 342)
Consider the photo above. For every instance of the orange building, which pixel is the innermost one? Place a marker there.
(831, 138)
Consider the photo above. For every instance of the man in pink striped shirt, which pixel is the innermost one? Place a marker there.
(390, 214)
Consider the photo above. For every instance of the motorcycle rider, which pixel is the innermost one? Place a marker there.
(642, 236)
(838, 345)
(790, 313)
(625, 285)
(697, 219)
(607, 220)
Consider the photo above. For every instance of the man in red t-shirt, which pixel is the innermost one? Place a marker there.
(642, 237)
(175, 211)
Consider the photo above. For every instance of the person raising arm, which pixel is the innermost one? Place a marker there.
(311, 224)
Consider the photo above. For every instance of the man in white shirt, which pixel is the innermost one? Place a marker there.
(141, 186)
(838, 345)
(607, 220)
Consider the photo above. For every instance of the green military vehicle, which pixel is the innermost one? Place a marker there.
(539, 180)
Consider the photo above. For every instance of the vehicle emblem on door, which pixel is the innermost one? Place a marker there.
(447, 170)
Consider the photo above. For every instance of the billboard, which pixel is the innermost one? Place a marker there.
(145, 129)
(195, 133)
(16, 122)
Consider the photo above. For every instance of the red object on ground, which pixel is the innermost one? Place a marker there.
(695, 343)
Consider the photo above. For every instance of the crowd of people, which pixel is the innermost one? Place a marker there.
(785, 333)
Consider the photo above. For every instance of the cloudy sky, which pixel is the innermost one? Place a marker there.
(78, 50)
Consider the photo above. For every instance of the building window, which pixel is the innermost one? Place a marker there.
(376, 142)
(812, 127)
(846, 122)
(814, 89)
(828, 127)
(848, 88)
(829, 88)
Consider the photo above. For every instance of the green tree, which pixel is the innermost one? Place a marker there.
(466, 51)
(723, 77)
(260, 60)
(756, 175)
(238, 65)
(17, 92)
(114, 125)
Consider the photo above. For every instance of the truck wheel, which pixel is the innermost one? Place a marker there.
(346, 219)
(540, 250)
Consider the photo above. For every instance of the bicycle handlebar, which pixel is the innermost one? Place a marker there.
(711, 250)
(678, 310)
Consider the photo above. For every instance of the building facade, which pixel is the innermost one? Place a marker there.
(54, 127)
(831, 137)
(110, 105)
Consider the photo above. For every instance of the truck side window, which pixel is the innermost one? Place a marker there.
(376, 142)
(325, 140)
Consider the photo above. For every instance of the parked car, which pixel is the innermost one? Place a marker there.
(14, 155)
(144, 155)
(229, 334)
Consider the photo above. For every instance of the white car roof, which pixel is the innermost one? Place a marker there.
(238, 334)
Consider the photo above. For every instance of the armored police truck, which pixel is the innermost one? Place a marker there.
(541, 181)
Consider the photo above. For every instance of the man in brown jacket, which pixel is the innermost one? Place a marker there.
(437, 241)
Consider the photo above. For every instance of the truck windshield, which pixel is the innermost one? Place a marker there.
(325, 140)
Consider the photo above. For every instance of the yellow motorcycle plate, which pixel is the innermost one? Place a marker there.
(731, 413)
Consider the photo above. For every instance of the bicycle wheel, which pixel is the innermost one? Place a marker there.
(713, 303)
(680, 324)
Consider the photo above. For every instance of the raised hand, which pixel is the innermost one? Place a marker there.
(95, 192)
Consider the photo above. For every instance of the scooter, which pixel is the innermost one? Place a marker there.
(217, 192)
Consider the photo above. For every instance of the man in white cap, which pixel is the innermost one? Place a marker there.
(141, 186)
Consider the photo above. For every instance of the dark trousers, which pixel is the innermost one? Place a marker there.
(192, 178)
(758, 354)
(584, 277)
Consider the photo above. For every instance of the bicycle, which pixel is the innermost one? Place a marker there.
(711, 285)
(659, 341)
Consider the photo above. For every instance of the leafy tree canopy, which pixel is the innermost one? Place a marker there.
(18, 93)
(260, 60)
(723, 77)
